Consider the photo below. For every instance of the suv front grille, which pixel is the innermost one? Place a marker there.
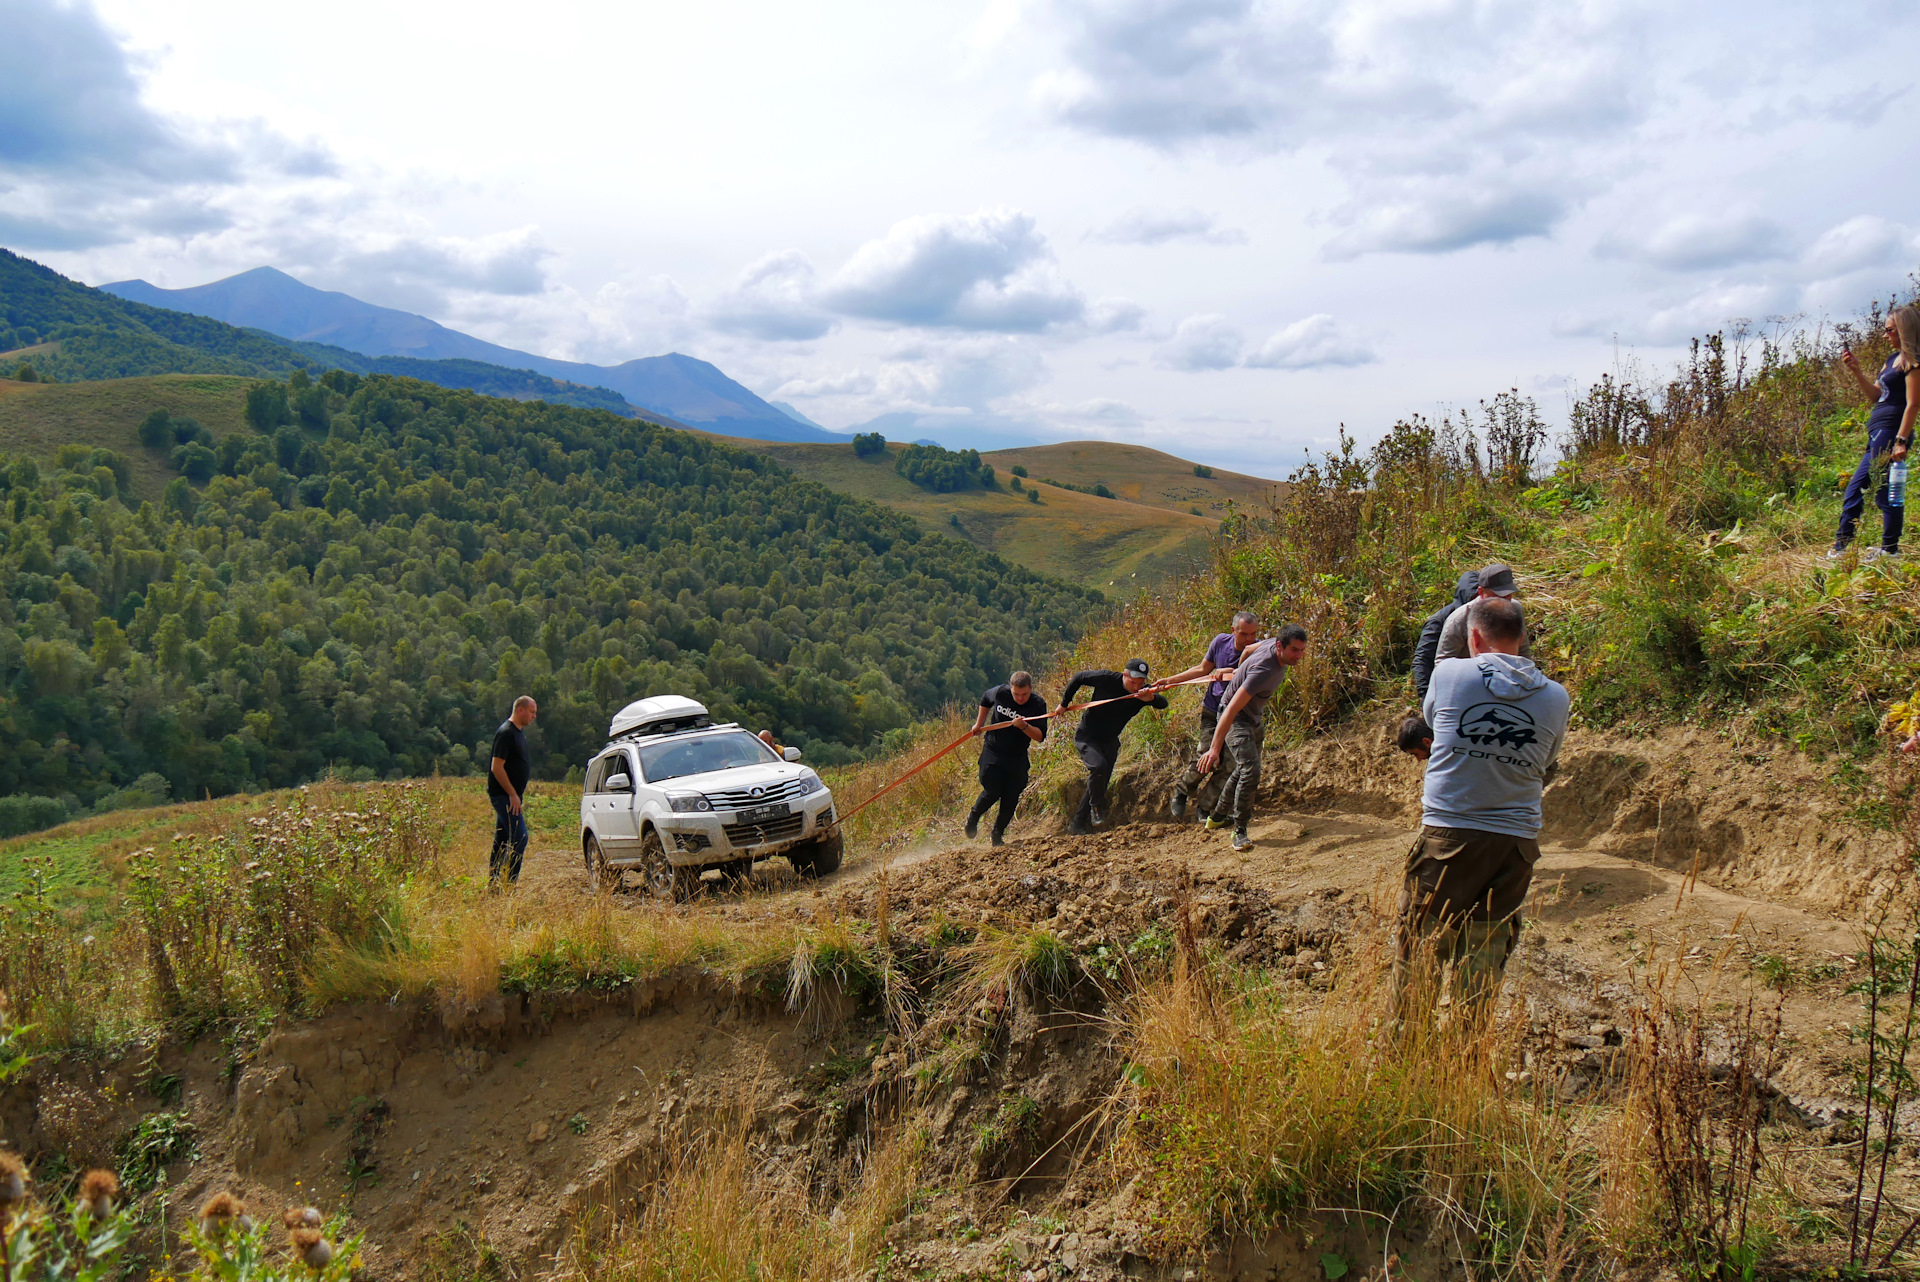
(743, 798)
(742, 835)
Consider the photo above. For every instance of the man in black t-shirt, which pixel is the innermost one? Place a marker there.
(1098, 734)
(1003, 752)
(507, 776)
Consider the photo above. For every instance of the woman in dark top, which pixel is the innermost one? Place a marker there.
(1895, 396)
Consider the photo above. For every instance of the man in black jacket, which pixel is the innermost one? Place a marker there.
(1003, 752)
(1098, 734)
(1425, 650)
(508, 771)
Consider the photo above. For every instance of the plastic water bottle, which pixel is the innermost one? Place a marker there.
(1897, 484)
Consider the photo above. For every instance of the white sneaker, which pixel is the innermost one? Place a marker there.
(1835, 554)
(1877, 554)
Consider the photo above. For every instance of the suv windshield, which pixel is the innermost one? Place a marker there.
(662, 761)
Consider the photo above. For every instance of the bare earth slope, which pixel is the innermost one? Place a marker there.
(499, 1121)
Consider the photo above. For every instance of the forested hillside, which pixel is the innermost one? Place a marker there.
(73, 333)
(371, 594)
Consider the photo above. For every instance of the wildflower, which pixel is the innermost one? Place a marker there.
(97, 1191)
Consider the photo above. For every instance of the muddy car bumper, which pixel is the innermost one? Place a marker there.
(724, 835)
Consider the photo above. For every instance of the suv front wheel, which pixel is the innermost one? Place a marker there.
(818, 857)
(664, 881)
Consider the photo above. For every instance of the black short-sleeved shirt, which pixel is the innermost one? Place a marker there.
(510, 745)
(1103, 724)
(1009, 747)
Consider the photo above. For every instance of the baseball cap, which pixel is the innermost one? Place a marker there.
(1137, 668)
(1496, 578)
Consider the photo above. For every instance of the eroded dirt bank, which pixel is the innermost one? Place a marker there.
(444, 1125)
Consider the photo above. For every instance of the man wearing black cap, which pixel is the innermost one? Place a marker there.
(1098, 734)
(1495, 580)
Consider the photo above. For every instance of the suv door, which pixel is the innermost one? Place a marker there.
(619, 821)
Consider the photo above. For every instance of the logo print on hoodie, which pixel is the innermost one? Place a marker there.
(1490, 723)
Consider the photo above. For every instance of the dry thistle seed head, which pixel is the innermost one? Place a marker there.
(311, 1247)
(295, 1217)
(220, 1211)
(97, 1191)
(13, 1180)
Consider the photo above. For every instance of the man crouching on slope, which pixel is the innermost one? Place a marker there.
(1497, 725)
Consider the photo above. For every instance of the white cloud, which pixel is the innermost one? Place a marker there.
(1863, 243)
(990, 270)
(1202, 343)
(774, 299)
(1436, 216)
(1212, 342)
(847, 383)
(1141, 226)
(1699, 242)
(1114, 315)
(1313, 342)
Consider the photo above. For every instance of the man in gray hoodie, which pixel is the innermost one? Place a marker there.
(1498, 724)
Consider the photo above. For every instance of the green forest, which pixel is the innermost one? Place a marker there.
(364, 586)
(933, 467)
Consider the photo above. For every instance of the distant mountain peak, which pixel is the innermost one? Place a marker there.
(683, 387)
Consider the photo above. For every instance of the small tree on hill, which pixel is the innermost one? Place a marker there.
(156, 429)
(267, 406)
(867, 444)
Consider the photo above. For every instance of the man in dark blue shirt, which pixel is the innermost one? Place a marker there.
(1098, 734)
(1004, 767)
(507, 776)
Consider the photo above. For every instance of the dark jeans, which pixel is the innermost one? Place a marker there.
(1099, 757)
(509, 834)
(1893, 520)
(1246, 744)
(1205, 789)
(1001, 784)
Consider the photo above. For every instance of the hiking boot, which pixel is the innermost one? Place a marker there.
(1215, 824)
(1076, 828)
(1241, 841)
(1093, 817)
(999, 838)
(973, 827)
(1179, 806)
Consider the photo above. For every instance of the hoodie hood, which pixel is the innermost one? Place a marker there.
(1509, 676)
(1467, 588)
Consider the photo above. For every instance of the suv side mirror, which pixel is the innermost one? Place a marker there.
(790, 754)
(621, 782)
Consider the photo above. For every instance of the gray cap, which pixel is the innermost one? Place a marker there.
(1137, 668)
(1496, 579)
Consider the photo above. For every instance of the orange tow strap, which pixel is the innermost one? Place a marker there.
(1002, 725)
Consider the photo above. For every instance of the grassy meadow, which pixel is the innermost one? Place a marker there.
(36, 419)
(1148, 536)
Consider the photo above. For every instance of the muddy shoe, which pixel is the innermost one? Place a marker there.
(1077, 829)
(1215, 823)
(1093, 817)
(1241, 841)
(998, 838)
(973, 827)
(1179, 806)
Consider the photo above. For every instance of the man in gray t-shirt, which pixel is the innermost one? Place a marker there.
(1240, 735)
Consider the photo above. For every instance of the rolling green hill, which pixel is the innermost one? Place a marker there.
(369, 597)
(1146, 535)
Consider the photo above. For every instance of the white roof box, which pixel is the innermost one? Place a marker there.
(660, 709)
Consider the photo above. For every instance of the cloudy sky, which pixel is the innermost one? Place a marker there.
(1220, 227)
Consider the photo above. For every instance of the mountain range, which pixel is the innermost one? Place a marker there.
(691, 391)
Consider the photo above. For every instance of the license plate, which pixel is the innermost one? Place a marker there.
(760, 814)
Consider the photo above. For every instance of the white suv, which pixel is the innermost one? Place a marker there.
(672, 794)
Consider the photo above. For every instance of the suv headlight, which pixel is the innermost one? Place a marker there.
(687, 802)
(814, 784)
